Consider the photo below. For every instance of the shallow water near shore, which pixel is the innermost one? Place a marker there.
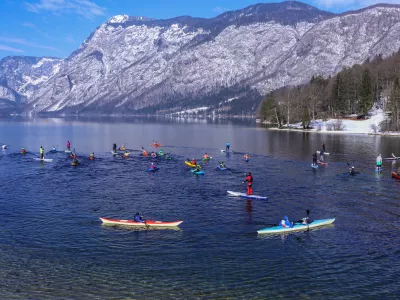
(53, 245)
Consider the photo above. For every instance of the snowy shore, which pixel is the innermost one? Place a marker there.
(349, 126)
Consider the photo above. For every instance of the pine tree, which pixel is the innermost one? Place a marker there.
(394, 103)
(366, 93)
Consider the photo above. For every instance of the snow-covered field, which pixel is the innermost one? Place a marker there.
(350, 126)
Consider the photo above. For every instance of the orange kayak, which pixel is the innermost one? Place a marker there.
(396, 175)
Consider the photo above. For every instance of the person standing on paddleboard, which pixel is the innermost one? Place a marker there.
(379, 162)
(228, 145)
(323, 147)
(314, 159)
(41, 151)
(68, 146)
(321, 155)
(249, 180)
(114, 147)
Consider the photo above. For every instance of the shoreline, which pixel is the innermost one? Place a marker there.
(393, 134)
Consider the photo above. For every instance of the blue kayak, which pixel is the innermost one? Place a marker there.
(153, 170)
(296, 227)
(222, 169)
(198, 172)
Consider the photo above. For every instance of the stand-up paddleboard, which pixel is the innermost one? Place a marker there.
(244, 195)
(224, 151)
(114, 153)
(322, 163)
(68, 151)
(325, 153)
(44, 159)
(297, 226)
(314, 166)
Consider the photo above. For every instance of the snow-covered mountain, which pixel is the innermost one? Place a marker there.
(133, 63)
(21, 75)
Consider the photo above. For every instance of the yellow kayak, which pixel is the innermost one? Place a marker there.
(189, 164)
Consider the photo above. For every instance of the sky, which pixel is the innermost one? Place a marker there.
(56, 28)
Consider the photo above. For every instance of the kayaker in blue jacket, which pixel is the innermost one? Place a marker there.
(138, 218)
(228, 145)
(285, 222)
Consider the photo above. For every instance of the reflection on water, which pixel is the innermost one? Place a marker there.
(54, 246)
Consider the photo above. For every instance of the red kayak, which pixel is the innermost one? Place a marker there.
(145, 223)
(396, 175)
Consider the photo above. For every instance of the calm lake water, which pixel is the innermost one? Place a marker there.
(53, 245)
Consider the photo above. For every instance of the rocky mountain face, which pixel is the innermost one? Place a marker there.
(21, 75)
(136, 64)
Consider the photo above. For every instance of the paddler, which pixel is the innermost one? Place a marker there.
(222, 165)
(206, 156)
(314, 159)
(249, 180)
(122, 148)
(153, 154)
(197, 168)
(138, 218)
(23, 151)
(228, 145)
(41, 151)
(193, 162)
(152, 166)
(323, 147)
(321, 155)
(68, 146)
(75, 162)
(246, 156)
(285, 222)
(352, 170)
(126, 153)
(379, 161)
(114, 147)
(91, 156)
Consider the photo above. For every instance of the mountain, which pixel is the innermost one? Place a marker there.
(21, 75)
(137, 64)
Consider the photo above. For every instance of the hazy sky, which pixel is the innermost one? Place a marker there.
(58, 27)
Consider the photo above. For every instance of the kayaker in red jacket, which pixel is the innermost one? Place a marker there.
(193, 162)
(249, 180)
(152, 166)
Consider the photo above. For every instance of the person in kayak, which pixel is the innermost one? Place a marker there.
(41, 151)
(54, 149)
(323, 147)
(126, 153)
(249, 180)
(193, 161)
(153, 154)
(91, 156)
(379, 161)
(222, 165)
(246, 156)
(197, 168)
(314, 159)
(352, 170)
(286, 223)
(138, 218)
(75, 162)
(206, 156)
(114, 147)
(23, 151)
(228, 145)
(122, 148)
(152, 166)
(68, 146)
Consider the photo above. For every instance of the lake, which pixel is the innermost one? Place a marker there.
(53, 245)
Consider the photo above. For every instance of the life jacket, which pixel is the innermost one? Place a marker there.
(249, 180)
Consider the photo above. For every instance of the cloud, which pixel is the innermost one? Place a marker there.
(351, 3)
(25, 43)
(220, 10)
(10, 49)
(37, 29)
(85, 8)
(69, 39)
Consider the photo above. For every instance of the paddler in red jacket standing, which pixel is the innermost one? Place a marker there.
(249, 180)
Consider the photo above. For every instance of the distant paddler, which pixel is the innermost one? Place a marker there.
(41, 151)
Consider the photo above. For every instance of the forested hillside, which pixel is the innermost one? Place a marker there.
(353, 91)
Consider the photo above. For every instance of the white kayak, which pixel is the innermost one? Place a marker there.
(4, 147)
(147, 223)
(296, 227)
(44, 159)
(244, 195)
(325, 153)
